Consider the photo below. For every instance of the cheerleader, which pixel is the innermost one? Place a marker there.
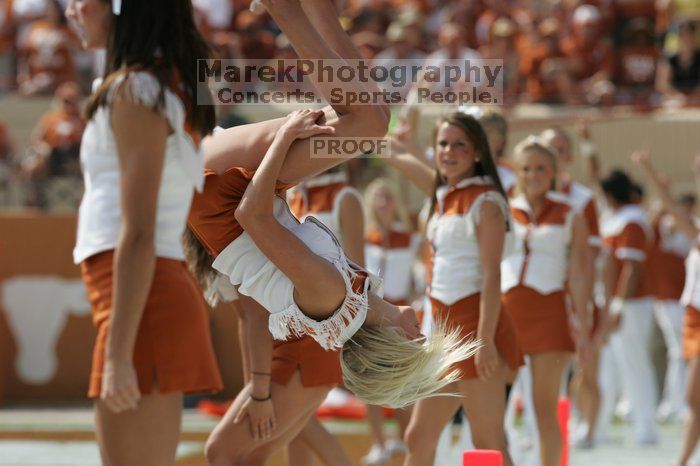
(298, 374)
(548, 258)
(667, 263)
(585, 382)
(390, 251)
(467, 232)
(153, 340)
(297, 271)
(330, 199)
(627, 239)
(690, 299)
(496, 128)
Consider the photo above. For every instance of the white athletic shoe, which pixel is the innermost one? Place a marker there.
(395, 447)
(646, 437)
(377, 455)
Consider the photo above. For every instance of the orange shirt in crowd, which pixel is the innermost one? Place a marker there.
(591, 58)
(630, 242)
(5, 143)
(637, 66)
(48, 49)
(628, 9)
(532, 55)
(667, 269)
(59, 128)
(6, 27)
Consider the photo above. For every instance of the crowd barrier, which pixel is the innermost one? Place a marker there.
(46, 333)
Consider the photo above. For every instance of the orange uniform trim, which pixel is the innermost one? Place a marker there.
(464, 316)
(459, 201)
(691, 333)
(318, 199)
(173, 349)
(212, 215)
(316, 366)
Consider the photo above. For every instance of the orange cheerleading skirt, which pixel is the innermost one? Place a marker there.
(173, 350)
(691, 333)
(541, 320)
(464, 315)
(316, 366)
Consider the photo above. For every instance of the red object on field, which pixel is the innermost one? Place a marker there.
(482, 458)
(563, 409)
(347, 407)
(213, 408)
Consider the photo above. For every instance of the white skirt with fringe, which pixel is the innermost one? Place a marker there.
(257, 277)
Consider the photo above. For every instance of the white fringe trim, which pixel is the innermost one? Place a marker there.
(333, 332)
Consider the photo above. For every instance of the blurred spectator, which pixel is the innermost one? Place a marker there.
(399, 53)
(8, 167)
(502, 46)
(368, 43)
(45, 52)
(452, 42)
(591, 61)
(638, 56)
(215, 14)
(679, 75)
(53, 164)
(372, 18)
(544, 65)
(7, 41)
(257, 39)
(494, 9)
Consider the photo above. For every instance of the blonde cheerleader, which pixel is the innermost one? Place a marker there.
(548, 258)
(297, 271)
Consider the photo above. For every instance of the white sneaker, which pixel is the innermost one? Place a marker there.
(395, 447)
(377, 455)
(647, 436)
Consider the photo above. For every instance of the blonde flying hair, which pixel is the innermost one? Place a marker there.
(536, 144)
(382, 367)
(400, 215)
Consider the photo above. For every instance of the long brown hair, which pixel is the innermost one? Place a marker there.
(476, 134)
(159, 36)
(200, 263)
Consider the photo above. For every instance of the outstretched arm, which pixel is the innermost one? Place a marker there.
(405, 157)
(580, 283)
(319, 289)
(641, 158)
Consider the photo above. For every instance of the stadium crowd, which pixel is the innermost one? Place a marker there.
(639, 53)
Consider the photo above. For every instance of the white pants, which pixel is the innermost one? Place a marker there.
(669, 317)
(630, 345)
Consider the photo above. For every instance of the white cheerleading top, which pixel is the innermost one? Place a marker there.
(691, 291)
(99, 218)
(540, 257)
(452, 233)
(582, 199)
(391, 256)
(256, 276)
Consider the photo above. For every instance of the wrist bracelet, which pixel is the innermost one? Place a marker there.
(261, 373)
(260, 400)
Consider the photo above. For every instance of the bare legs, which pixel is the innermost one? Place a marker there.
(484, 406)
(547, 370)
(692, 427)
(233, 444)
(146, 435)
(244, 146)
(315, 438)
